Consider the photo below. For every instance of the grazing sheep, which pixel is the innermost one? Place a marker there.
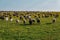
(11, 19)
(24, 21)
(21, 17)
(33, 20)
(43, 15)
(28, 16)
(17, 21)
(7, 18)
(54, 20)
(38, 20)
(30, 21)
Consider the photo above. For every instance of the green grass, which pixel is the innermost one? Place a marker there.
(14, 31)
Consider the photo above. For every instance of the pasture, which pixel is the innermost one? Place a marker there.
(18, 31)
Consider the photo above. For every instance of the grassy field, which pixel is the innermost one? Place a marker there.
(18, 31)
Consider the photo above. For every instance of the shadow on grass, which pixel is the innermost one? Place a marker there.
(21, 24)
(24, 24)
(29, 24)
(48, 23)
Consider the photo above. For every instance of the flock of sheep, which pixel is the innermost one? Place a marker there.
(30, 17)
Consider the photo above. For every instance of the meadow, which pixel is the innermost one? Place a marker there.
(18, 31)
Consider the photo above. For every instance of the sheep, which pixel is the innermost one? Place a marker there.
(24, 21)
(53, 20)
(6, 18)
(30, 21)
(17, 21)
(38, 20)
(11, 19)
